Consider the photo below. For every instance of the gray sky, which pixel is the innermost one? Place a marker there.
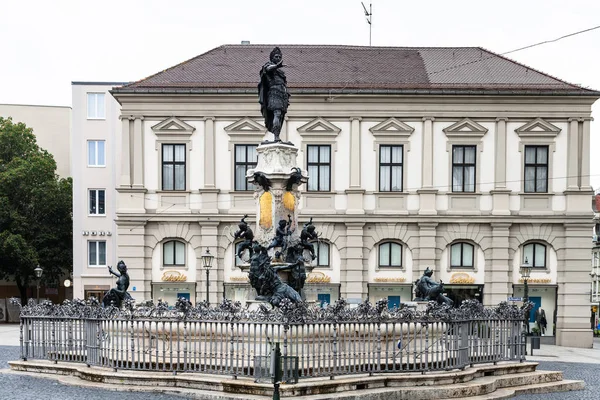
(47, 44)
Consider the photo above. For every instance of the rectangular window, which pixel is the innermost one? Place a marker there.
(536, 169)
(390, 255)
(174, 253)
(463, 168)
(390, 168)
(95, 106)
(96, 155)
(245, 159)
(321, 254)
(97, 253)
(319, 168)
(461, 255)
(173, 167)
(97, 202)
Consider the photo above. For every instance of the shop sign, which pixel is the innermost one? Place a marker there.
(318, 277)
(391, 280)
(461, 277)
(173, 276)
(537, 280)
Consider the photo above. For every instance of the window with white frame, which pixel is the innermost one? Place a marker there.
(173, 167)
(96, 155)
(245, 159)
(97, 202)
(96, 106)
(174, 253)
(463, 168)
(390, 254)
(390, 168)
(319, 167)
(97, 253)
(536, 169)
(321, 254)
(462, 255)
(535, 255)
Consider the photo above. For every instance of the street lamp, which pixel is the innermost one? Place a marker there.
(207, 260)
(38, 274)
(525, 271)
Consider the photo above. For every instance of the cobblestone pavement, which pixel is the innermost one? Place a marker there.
(19, 387)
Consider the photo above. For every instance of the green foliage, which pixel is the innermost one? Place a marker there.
(35, 210)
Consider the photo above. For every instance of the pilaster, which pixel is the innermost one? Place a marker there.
(585, 156)
(500, 154)
(354, 278)
(497, 274)
(210, 239)
(355, 193)
(427, 166)
(125, 180)
(572, 326)
(573, 155)
(130, 249)
(210, 198)
(426, 256)
(138, 153)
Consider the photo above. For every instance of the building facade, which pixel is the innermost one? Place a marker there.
(95, 149)
(455, 159)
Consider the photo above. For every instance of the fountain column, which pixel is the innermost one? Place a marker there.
(274, 202)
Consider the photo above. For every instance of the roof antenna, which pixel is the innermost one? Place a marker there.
(369, 15)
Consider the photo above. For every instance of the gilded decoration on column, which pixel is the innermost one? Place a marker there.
(266, 210)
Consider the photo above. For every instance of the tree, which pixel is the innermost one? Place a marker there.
(36, 215)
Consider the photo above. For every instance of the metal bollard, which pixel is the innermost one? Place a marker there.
(276, 371)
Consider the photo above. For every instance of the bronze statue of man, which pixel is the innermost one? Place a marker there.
(272, 93)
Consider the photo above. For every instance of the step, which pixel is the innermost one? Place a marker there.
(550, 387)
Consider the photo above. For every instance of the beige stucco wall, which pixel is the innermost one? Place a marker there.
(52, 128)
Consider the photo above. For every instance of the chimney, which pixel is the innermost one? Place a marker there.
(245, 42)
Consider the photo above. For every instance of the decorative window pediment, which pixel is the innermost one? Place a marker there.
(319, 127)
(245, 131)
(173, 126)
(538, 128)
(465, 128)
(392, 127)
(246, 125)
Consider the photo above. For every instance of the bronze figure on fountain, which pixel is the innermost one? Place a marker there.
(116, 296)
(245, 233)
(427, 289)
(272, 93)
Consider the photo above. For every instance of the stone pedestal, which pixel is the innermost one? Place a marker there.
(277, 162)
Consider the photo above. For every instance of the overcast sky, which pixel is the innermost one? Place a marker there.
(46, 44)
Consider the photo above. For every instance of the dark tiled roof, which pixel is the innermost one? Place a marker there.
(319, 68)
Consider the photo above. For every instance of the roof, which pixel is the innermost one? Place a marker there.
(357, 69)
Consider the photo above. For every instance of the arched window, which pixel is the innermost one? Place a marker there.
(462, 255)
(322, 254)
(535, 255)
(390, 254)
(174, 253)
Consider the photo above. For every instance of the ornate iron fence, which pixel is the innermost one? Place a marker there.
(228, 340)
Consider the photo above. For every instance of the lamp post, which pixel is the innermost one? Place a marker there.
(525, 271)
(207, 260)
(38, 274)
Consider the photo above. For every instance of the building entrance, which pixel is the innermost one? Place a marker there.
(459, 293)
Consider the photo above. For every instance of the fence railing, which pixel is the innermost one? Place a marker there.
(236, 348)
